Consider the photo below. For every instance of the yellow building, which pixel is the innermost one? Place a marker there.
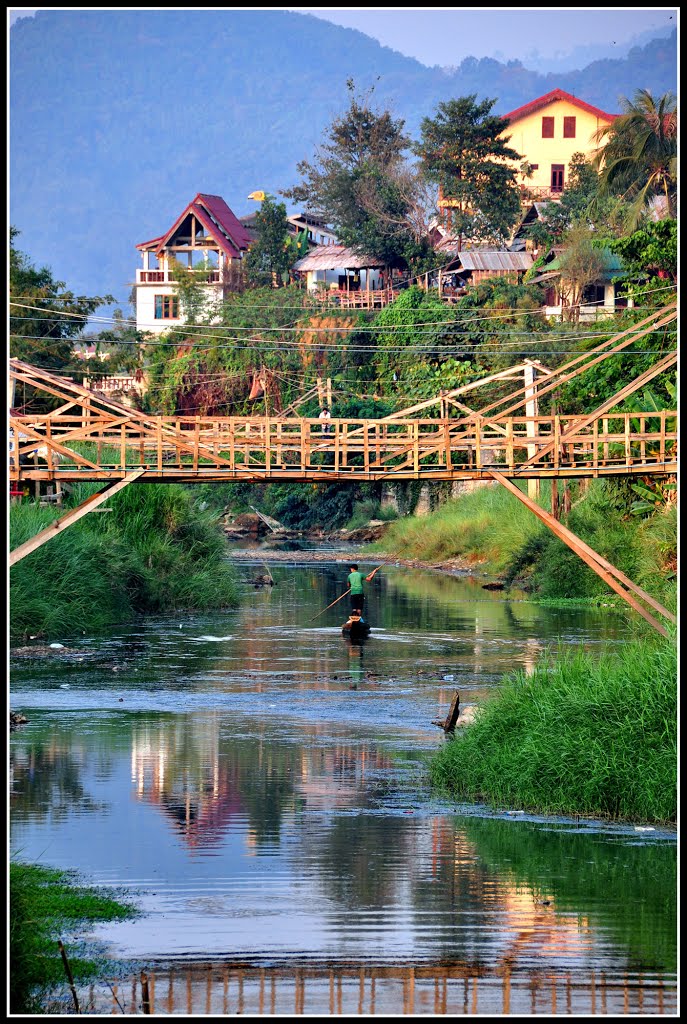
(546, 132)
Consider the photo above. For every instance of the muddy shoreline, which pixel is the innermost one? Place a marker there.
(457, 566)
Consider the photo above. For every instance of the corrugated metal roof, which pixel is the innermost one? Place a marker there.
(336, 257)
(502, 260)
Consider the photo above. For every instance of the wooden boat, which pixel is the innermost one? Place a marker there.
(355, 628)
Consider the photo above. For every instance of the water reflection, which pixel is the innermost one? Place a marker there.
(214, 989)
(260, 784)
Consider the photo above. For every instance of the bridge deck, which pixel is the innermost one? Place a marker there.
(90, 444)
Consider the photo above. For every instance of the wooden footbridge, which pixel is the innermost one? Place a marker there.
(89, 437)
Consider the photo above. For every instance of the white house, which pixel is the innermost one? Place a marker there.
(206, 238)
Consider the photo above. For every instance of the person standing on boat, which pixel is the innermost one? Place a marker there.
(355, 583)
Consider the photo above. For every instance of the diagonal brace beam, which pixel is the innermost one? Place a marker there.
(71, 517)
(615, 579)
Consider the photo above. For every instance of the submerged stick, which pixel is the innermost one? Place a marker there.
(68, 972)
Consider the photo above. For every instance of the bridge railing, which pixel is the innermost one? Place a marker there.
(89, 444)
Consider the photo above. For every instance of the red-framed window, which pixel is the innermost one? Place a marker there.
(547, 127)
(569, 127)
(166, 307)
(557, 177)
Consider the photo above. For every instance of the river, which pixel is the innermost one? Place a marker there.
(257, 785)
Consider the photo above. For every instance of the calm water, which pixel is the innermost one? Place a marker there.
(258, 786)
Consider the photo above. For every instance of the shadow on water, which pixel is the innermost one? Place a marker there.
(259, 785)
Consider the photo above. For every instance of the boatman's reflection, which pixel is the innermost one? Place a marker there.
(355, 662)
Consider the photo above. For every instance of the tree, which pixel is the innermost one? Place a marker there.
(44, 319)
(360, 183)
(464, 152)
(650, 259)
(580, 263)
(638, 158)
(271, 255)
(580, 203)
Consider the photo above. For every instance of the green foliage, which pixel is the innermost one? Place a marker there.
(45, 320)
(154, 552)
(463, 152)
(271, 255)
(638, 155)
(487, 525)
(650, 257)
(360, 184)
(44, 902)
(583, 734)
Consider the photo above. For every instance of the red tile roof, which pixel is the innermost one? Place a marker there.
(216, 217)
(551, 97)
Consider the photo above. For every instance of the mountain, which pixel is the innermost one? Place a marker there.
(119, 117)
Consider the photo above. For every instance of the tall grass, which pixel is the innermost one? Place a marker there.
(580, 735)
(487, 525)
(154, 552)
(43, 902)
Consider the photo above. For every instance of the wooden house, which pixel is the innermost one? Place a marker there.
(600, 297)
(206, 238)
(339, 273)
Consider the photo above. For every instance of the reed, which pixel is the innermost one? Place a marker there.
(488, 525)
(43, 903)
(583, 734)
(154, 552)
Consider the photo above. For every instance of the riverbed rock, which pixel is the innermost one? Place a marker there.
(17, 719)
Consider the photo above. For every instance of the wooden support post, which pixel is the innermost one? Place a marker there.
(36, 483)
(555, 507)
(566, 499)
(145, 994)
(531, 410)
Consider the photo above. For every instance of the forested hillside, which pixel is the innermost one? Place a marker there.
(119, 117)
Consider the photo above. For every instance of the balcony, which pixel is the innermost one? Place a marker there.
(165, 278)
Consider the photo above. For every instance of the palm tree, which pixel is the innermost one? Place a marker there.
(638, 159)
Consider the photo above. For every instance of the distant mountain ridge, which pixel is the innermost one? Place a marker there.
(118, 118)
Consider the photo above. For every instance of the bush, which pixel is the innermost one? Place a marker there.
(582, 735)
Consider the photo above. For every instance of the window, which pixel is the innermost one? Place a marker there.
(166, 307)
(569, 127)
(547, 127)
(557, 175)
(534, 167)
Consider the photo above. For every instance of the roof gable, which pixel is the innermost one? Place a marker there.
(552, 97)
(217, 219)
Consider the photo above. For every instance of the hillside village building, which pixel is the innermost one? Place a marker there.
(546, 132)
(206, 238)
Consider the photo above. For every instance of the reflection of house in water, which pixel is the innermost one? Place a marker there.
(177, 766)
(346, 763)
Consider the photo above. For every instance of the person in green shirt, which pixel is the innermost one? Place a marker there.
(355, 582)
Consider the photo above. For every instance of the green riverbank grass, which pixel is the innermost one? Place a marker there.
(488, 525)
(584, 734)
(154, 552)
(47, 905)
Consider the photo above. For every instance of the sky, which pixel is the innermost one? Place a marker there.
(539, 37)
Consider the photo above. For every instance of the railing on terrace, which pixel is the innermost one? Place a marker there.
(362, 299)
(165, 277)
(109, 385)
(90, 445)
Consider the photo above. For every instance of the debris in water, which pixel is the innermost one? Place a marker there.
(57, 647)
